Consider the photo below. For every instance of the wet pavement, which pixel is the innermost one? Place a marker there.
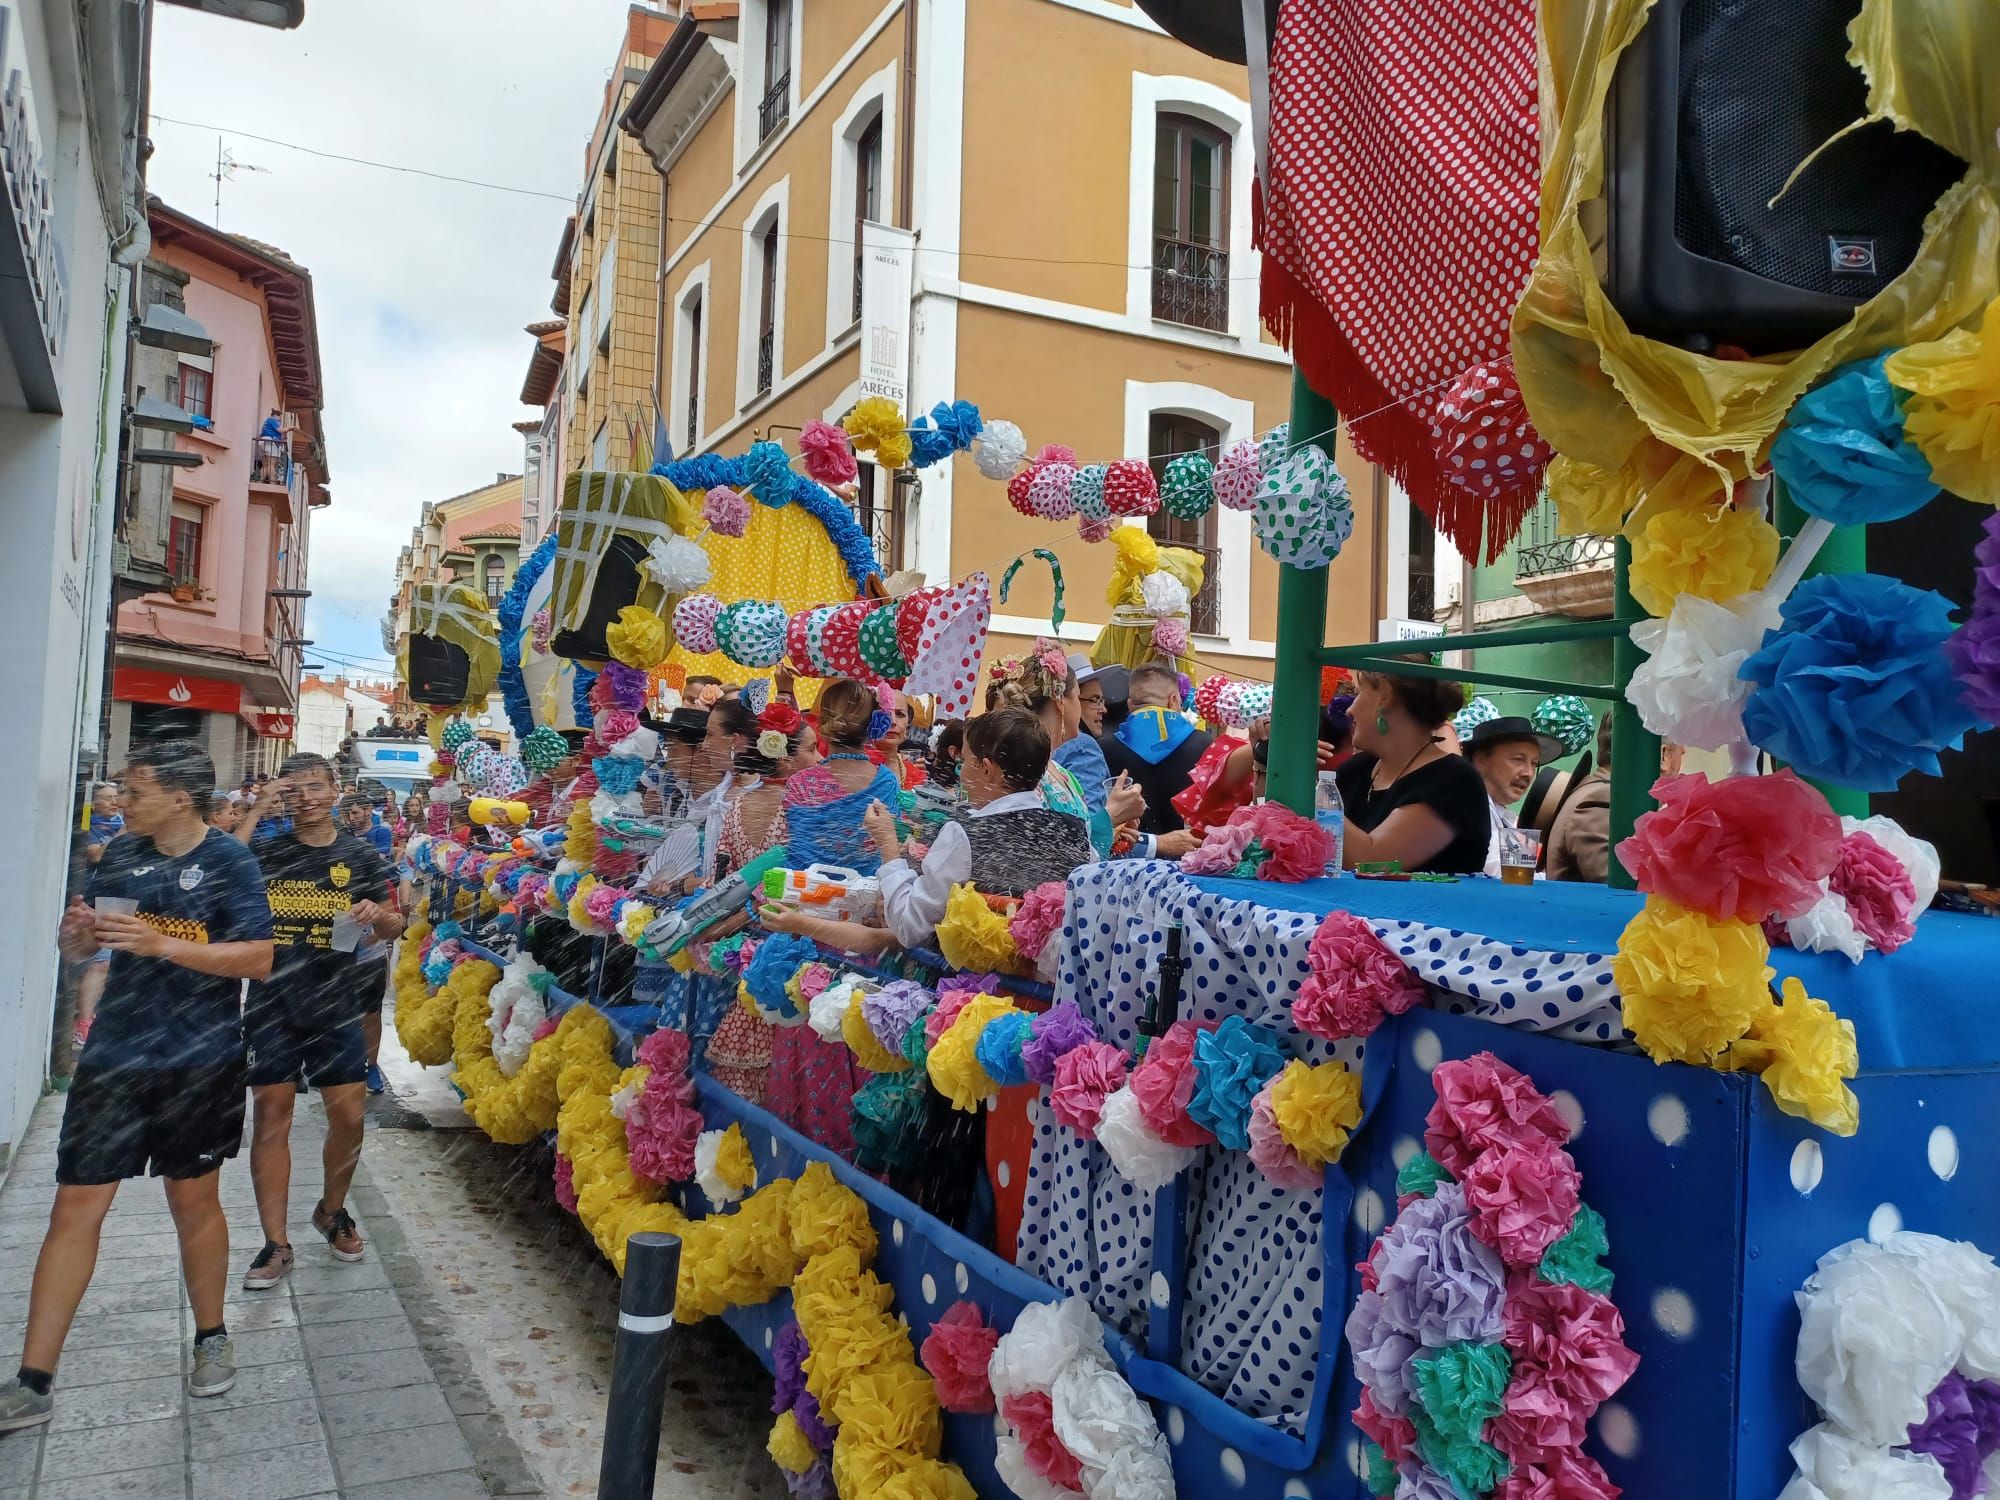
(468, 1355)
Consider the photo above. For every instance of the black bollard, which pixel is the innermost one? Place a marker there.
(639, 1368)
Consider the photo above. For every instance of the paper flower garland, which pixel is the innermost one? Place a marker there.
(1304, 515)
(1842, 453)
(1481, 1362)
(999, 449)
(1689, 689)
(1897, 1347)
(1568, 719)
(1855, 688)
(1953, 413)
(1863, 905)
(1188, 486)
(1689, 983)
(1695, 550)
(828, 458)
(695, 619)
(1740, 849)
(1974, 649)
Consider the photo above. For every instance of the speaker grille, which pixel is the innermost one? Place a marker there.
(1762, 85)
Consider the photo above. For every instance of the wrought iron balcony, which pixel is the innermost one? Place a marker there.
(766, 360)
(1190, 284)
(1563, 554)
(1423, 594)
(271, 462)
(1565, 575)
(777, 106)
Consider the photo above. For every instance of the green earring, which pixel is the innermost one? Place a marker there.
(1381, 723)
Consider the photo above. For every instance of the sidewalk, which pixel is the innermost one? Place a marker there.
(338, 1393)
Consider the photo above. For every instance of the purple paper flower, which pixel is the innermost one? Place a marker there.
(818, 1431)
(1974, 648)
(1439, 1283)
(1061, 1028)
(627, 685)
(788, 1376)
(1417, 1481)
(890, 1010)
(815, 1484)
(1961, 1430)
(1382, 1353)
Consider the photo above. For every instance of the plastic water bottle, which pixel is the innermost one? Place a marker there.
(1331, 814)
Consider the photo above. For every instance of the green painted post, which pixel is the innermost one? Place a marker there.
(1845, 551)
(1294, 761)
(1635, 751)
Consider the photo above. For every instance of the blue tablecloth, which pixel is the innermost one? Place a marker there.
(1924, 1006)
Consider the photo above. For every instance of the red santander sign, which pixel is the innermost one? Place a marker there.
(275, 726)
(176, 690)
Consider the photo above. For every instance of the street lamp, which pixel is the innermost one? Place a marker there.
(172, 458)
(159, 415)
(289, 593)
(164, 328)
(283, 14)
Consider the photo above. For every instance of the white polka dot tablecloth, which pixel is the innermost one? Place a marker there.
(1256, 1292)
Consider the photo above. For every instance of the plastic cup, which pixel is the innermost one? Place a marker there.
(1520, 852)
(346, 934)
(116, 906)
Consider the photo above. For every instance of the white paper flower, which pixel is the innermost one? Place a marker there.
(707, 1149)
(1165, 595)
(1825, 927)
(641, 744)
(515, 1012)
(1835, 1466)
(622, 1098)
(1918, 856)
(1010, 1462)
(999, 449)
(1876, 1336)
(1687, 689)
(1137, 1153)
(1098, 1417)
(1046, 1339)
(678, 564)
(829, 1009)
(1969, 1282)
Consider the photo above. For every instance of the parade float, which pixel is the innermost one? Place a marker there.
(1223, 1177)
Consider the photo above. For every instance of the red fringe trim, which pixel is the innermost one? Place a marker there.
(1390, 436)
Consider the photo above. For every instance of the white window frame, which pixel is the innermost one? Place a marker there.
(690, 366)
(774, 208)
(1152, 96)
(873, 96)
(753, 85)
(1235, 418)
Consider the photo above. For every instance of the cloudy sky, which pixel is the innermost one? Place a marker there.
(422, 286)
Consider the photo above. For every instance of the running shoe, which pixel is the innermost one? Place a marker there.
(341, 1236)
(214, 1366)
(269, 1268)
(21, 1407)
(377, 1084)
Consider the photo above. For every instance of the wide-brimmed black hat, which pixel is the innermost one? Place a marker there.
(1510, 727)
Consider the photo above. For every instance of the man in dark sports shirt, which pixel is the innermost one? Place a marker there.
(330, 894)
(160, 1084)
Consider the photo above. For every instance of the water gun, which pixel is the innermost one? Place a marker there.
(826, 891)
(673, 931)
(928, 807)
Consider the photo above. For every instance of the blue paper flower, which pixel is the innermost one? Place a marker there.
(776, 960)
(1842, 453)
(879, 724)
(927, 445)
(1855, 688)
(618, 774)
(767, 468)
(999, 1047)
(958, 421)
(579, 693)
(1231, 1063)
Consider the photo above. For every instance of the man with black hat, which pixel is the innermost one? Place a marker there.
(1507, 752)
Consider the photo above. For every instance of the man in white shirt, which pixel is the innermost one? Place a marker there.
(1507, 752)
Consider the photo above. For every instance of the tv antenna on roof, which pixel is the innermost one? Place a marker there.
(226, 168)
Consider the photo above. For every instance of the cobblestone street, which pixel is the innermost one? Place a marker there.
(468, 1355)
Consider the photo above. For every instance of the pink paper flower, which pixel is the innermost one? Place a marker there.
(1395, 1436)
(601, 905)
(957, 1351)
(665, 1051)
(660, 1133)
(1170, 637)
(1523, 1198)
(1295, 848)
(1743, 848)
(1483, 1103)
(1271, 1155)
(1095, 528)
(828, 458)
(726, 511)
(1164, 1081)
(1037, 918)
(1032, 1416)
(1085, 1077)
(565, 1183)
(1564, 1474)
(1569, 1358)
(1355, 981)
(1881, 898)
(614, 724)
(950, 1003)
(1220, 851)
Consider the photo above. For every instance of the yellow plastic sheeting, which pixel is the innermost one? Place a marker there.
(459, 614)
(1132, 645)
(1601, 393)
(598, 507)
(783, 554)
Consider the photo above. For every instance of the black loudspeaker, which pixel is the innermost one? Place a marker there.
(440, 672)
(1712, 108)
(615, 586)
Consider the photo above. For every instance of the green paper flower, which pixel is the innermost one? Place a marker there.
(1379, 1472)
(1574, 1258)
(1472, 1465)
(1460, 1387)
(1420, 1175)
(916, 1046)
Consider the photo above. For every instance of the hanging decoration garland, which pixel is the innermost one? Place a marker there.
(512, 615)
(1056, 610)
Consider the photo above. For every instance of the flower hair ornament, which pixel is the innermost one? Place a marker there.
(1052, 657)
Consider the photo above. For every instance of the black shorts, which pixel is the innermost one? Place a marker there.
(375, 990)
(122, 1121)
(284, 1049)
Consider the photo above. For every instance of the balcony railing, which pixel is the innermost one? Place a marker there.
(1190, 284)
(1423, 594)
(693, 423)
(777, 106)
(1563, 554)
(271, 462)
(1205, 609)
(766, 358)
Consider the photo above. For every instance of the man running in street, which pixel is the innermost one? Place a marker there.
(160, 1084)
(330, 894)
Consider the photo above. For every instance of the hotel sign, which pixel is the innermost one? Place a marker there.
(34, 291)
(886, 256)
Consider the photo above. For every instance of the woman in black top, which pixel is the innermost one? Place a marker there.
(1407, 797)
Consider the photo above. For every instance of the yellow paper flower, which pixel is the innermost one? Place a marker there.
(1690, 984)
(837, 1279)
(1805, 1054)
(895, 1406)
(859, 1469)
(788, 1447)
(638, 637)
(1590, 501)
(634, 919)
(826, 1215)
(845, 1345)
(733, 1161)
(954, 1063)
(893, 452)
(1953, 414)
(580, 835)
(928, 1479)
(1695, 549)
(862, 1041)
(877, 424)
(579, 914)
(1316, 1106)
(1137, 555)
(973, 936)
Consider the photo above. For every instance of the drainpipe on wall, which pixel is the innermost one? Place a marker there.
(906, 122)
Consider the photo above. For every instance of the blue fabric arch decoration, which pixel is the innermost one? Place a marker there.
(513, 613)
(697, 475)
(579, 700)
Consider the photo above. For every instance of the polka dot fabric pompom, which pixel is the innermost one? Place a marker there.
(1130, 489)
(1237, 476)
(1482, 435)
(751, 633)
(1479, 711)
(1086, 493)
(1253, 702)
(694, 622)
(1303, 513)
(1206, 697)
(1095, 528)
(910, 615)
(877, 644)
(816, 622)
(843, 640)
(1187, 488)
(1017, 491)
(798, 649)
(1569, 719)
(1049, 491)
(1273, 446)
